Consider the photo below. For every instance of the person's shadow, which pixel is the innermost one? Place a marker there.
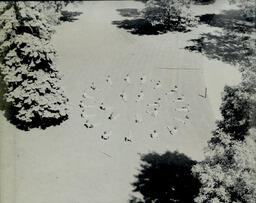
(165, 178)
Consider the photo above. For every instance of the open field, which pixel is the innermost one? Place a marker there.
(73, 164)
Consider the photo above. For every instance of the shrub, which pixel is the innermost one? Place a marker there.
(174, 14)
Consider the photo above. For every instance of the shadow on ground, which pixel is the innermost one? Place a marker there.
(69, 16)
(204, 2)
(129, 12)
(232, 20)
(165, 178)
(233, 45)
(137, 25)
(227, 47)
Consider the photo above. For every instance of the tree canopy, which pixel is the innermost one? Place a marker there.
(27, 66)
(173, 14)
(228, 173)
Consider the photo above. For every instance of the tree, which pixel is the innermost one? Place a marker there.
(31, 80)
(228, 173)
(166, 178)
(236, 112)
(173, 14)
(248, 7)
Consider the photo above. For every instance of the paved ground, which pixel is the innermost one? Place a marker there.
(75, 164)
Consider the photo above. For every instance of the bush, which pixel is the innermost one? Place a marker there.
(174, 14)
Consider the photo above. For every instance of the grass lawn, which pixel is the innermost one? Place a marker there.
(72, 164)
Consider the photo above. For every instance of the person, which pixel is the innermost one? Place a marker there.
(174, 89)
(169, 130)
(93, 87)
(154, 134)
(82, 104)
(180, 98)
(143, 79)
(137, 119)
(102, 107)
(105, 135)
(113, 116)
(128, 138)
(183, 108)
(108, 80)
(85, 95)
(87, 124)
(158, 84)
(127, 78)
(123, 95)
(155, 112)
(140, 96)
(83, 114)
(175, 129)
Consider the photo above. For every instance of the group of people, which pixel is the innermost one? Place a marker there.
(174, 99)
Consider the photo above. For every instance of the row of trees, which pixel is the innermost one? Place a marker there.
(228, 173)
(30, 80)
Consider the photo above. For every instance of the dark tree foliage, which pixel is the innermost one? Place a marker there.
(166, 178)
(236, 109)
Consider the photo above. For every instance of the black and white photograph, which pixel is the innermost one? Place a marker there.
(138, 101)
